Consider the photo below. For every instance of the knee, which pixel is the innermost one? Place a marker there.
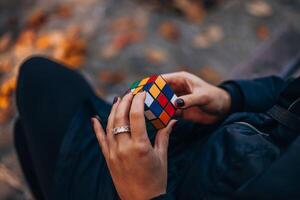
(28, 78)
(30, 65)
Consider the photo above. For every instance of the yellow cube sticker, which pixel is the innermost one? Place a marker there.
(160, 82)
(154, 91)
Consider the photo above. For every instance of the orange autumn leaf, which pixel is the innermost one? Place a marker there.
(5, 41)
(209, 74)
(194, 11)
(122, 40)
(5, 65)
(26, 37)
(43, 42)
(156, 56)
(36, 19)
(74, 61)
(169, 31)
(63, 10)
(8, 86)
(4, 102)
(6, 90)
(111, 76)
(123, 24)
(109, 51)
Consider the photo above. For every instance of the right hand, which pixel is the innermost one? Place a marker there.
(198, 100)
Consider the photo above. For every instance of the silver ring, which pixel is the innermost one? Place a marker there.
(121, 129)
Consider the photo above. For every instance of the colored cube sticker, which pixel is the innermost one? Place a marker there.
(160, 100)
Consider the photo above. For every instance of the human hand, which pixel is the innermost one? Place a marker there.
(198, 100)
(138, 170)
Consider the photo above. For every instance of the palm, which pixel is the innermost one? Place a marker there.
(198, 115)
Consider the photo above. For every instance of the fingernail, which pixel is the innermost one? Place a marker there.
(179, 102)
(115, 100)
(126, 92)
(97, 117)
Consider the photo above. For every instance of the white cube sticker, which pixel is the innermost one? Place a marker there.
(173, 99)
(149, 99)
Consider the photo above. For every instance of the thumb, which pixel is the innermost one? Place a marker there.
(162, 139)
(189, 100)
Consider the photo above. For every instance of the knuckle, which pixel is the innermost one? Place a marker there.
(184, 73)
(205, 98)
(135, 114)
(141, 148)
(123, 151)
(112, 157)
(119, 117)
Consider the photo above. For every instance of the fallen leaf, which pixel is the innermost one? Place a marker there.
(109, 51)
(201, 41)
(25, 43)
(101, 92)
(7, 114)
(194, 11)
(156, 56)
(111, 76)
(63, 10)
(4, 102)
(26, 37)
(208, 37)
(43, 42)
(259, 8)
(36, 19)
(5, 41)
(122, 40)
(209, 74)
(5, 65)
(8, 86)
(7, 176)
(169, 31)
(74, 61)
(262, 32)
(70, 48)
(215, 33)
(123, 24)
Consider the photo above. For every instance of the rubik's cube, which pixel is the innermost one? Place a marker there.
(159, 102)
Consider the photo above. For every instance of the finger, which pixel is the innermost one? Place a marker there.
(189, 100)
(100, 134)
(110, 122)
(122, 116)
(137, 119)
(171, 77)
(178, 81)
(162, 139)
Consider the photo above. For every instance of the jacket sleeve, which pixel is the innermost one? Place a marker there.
(163, 197)
(257, 95)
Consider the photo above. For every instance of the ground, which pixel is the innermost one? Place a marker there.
(114, 42)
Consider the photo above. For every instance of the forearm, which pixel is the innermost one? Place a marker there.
(166, 196)
(257, 95)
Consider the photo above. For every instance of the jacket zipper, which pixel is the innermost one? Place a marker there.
(252, 127)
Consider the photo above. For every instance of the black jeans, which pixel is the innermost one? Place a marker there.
(47, 97)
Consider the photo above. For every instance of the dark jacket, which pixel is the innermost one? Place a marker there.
(245, 156)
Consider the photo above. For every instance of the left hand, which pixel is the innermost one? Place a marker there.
(138, 170)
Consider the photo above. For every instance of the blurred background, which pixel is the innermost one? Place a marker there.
(114, 42)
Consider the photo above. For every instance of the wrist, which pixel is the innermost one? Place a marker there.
(236, 96)
(226, 102)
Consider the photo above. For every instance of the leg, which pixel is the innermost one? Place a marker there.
(48, 95)
(26, 161)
